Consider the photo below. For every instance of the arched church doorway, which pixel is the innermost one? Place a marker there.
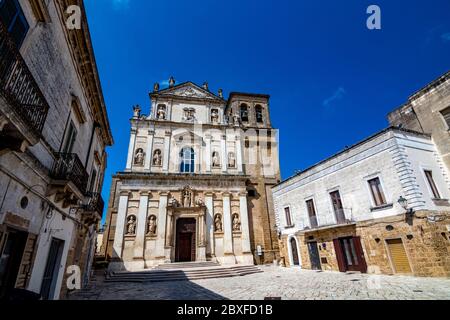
(294, 251)
(185, 250)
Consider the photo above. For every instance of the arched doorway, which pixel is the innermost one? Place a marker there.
(185, 250)
(294, 252)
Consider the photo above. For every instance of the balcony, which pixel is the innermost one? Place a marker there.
(70, 178)
(340, 216)
(95, 203)
(23, 107)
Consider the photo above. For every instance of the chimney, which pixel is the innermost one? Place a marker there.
(220, 93)
(171, 82)
(205, 86)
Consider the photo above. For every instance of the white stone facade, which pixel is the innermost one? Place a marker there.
(192, 142)
(397, 157)
(40, 204)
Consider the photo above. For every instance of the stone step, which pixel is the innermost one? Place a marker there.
(187, 265)
(179, 275)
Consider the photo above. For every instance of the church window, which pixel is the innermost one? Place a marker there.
(187, 160)
(259, 114)
(244, 113)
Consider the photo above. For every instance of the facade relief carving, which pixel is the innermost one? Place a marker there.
(151, 226)
(218, 223)
(139, 157)
(215, 159)
(231, 160)
(157, 158)
(131, 225)
(236, 222)
(189, 114)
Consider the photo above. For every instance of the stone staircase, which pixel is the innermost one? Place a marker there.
(183, 272)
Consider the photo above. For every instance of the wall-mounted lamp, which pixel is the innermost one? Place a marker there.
(404, 204)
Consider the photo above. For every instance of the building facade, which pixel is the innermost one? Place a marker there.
(428, 111)
(380, 206)
(196, 185)
(53, 133)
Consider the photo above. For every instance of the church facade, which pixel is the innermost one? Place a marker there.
(197, 182)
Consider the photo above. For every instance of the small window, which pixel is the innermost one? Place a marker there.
(71, 137)
(244, 113)
(12, 16)
(93, 180)
(434, 189)
(446, 114)
(259, 114)
(377, 192)
(287, 213)
(312, 213)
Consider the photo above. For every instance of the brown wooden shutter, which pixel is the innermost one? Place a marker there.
(360, 254)
(398, 256)
(26, 265)
(339, 255)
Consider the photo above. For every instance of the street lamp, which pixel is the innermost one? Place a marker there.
(404, 204)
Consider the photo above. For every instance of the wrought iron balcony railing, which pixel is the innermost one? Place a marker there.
(18, 86)
(96, 203)
(69, 167)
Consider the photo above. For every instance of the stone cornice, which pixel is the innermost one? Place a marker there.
(177, 177)
(79, 42)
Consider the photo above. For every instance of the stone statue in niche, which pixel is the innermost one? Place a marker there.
(157, 159)
(139, 157)
(218, 223)
(151, 227)
(186, 197)
(236, 222)
(131, 225)
(214, 116)
(236, 120)
(189, 114)
(231, 160)
(215, 159)
(174, 202)
(200, 202)
(161, 113)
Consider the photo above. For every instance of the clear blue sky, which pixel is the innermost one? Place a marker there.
(331, 80)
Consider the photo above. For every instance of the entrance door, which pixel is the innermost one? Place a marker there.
(185, 241)
(314, 256)
(51, 269)
(350, 254)
(11, 252)
(398, 256)
(295, 258)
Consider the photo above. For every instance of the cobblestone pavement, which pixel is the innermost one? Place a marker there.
(289, 284)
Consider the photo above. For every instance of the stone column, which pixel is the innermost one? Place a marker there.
(227, 230)
(131, 150)
(149, 155)
(239, 158)
(224, 154)
(209, 202)
(201, 238)
(247, 257)
(166, 151)
(139, 242)
(169, 234)
(208, 153)
(161, 227)
(120, 225)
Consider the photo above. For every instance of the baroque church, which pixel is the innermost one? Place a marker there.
(197, 182)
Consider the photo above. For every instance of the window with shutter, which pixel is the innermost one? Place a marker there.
(377, 192)
(433, 187)
(446, 114)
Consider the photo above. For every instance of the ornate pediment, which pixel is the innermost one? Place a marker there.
(189, 90)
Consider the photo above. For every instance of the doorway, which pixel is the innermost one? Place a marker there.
(294, 251)
(51, 269)
(314, 256)
(398, 256)
(185, 250)
(350, 255)
(12, 245)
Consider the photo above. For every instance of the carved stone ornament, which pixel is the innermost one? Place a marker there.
(131, 225)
